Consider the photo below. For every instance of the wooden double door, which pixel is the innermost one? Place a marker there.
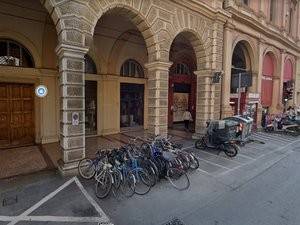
(16, 115)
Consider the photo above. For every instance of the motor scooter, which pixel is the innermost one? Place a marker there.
(214, 139)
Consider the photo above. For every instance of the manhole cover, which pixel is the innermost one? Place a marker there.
(174, 221)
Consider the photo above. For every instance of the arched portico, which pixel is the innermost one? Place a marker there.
(189, 49)
(242, 64)
(75, 23)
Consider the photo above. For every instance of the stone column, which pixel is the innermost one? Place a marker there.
(277, 105)
(204, 101)
(226, 79)
(296, 100)
(158, 84)
(259, 79)
(71, 81)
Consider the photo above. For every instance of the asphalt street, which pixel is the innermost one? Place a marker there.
(258, 187)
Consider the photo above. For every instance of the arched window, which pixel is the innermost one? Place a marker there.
(182, 68)
(132, 68)
(14, 54)
(90, 66)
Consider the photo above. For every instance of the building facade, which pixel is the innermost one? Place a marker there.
(127, 64)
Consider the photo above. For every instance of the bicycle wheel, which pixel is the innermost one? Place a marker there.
(185, 161)
(117, 179)
(148, 167)
(178, 178)
(200, 144)
(86, 168)
(143, 182)
(127, 186)
(231, 150)
(154, 167)
(103, 184)
(194, 162)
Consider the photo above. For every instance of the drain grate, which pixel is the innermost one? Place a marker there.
(174, 221)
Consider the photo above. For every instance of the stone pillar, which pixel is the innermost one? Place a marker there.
(226, 109)
(158, 84)
(71, 81)
(296, 100)
(259, 79)
(277, 105)
(204, 101)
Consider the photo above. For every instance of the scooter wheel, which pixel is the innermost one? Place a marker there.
(199, 144)
(231, 150)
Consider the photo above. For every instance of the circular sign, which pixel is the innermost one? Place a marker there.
(41, 91)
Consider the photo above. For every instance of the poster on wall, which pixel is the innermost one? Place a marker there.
(181, 101)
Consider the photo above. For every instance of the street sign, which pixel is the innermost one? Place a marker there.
(41, 91)
(75, 118)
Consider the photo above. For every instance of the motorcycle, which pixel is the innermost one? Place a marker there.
(220, 135)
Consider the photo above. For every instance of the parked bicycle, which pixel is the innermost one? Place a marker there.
(136, 167)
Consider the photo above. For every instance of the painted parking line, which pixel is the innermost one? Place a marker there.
(212, 163)
(210, 156)
(276, 136)
(102, 219)
(255, 149)
(216, 160)
(189, 147)
(246, 156)
(269, 138)
(272, 152)
(225, 157)
(52, 219)
(273, 139)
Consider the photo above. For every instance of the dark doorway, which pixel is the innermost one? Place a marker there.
(91, 107)
(132, 105)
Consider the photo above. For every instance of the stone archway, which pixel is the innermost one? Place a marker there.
(75, 23)
(242, 65)
(203, 106)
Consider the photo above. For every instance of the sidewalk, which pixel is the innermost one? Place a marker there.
(26, 160)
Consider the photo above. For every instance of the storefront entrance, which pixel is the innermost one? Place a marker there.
(181, 97)
(16, 115)
(132, 105)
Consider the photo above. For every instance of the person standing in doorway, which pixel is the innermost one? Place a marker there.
(187, 117)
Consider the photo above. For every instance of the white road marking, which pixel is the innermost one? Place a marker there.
(24, 216)
(203, 171)
(218, 157)
(275, 137)
(212, 163)
(38, 204)
(264, 139)
(245, 156)
(185, 148)
(277, 150)
(55, 219)
(92, 201)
